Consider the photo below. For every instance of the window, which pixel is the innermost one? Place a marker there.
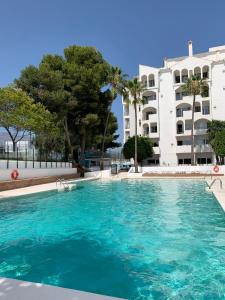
(178, 96)
(205, 110)
(197, 108)
(139, 108)
(152, 97)
(184, 78)
(154, 128)
(205, 75)
(179, 112)
(177, 79)
(151, 82)
(184, 94)
(179, 143)
(184, 161)
(187, 161)
(139, 122)
(155, 144)
(153, 161)
(180, 128)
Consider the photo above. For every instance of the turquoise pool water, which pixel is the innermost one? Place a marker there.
(160, 239)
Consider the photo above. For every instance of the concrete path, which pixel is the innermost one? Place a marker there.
(11, 289)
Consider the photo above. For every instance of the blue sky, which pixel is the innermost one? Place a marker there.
(127, 32)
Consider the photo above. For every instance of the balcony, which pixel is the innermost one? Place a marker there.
(185, 114)
(203, 148)
(151, 118)
(197, 148)
(200, 131)
(153, 135)
(156, 150)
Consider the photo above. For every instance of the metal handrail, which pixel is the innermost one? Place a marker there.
(212, 183)
(62, 182)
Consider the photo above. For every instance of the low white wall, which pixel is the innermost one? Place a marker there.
(104, 173)
(187, 169)
(22, 165)
(31, 173)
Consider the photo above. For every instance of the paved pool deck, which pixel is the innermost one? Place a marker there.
(37, 188)
(11, 289)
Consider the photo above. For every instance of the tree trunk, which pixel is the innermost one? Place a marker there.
(83, 144)
(65, 125)
(192, 133)
(104, 136)
(14, 146)
(135, 139)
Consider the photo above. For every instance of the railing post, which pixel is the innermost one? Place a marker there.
(25, 158)
(33, 157)
(46, 159)
(17, 154)
(40, 158)
(56, 160)
(7, 156)
(51, 159)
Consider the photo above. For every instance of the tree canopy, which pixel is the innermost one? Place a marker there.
(144, 148)
(20, 115)
(216, 135)
(72, 87)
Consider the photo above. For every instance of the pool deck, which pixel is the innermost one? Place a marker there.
(11, 289)
(36, 189)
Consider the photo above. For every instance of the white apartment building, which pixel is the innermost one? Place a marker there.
(166, 116)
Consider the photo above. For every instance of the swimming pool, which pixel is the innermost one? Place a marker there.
(134, 239)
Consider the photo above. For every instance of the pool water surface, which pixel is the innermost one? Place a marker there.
(134, 239)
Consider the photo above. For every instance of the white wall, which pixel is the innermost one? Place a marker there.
(187, 169)
(32, 173)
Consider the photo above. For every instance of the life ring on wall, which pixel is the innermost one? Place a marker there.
(216, 169)
(14, 174)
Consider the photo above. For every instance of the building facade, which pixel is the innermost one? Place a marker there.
(166, 115)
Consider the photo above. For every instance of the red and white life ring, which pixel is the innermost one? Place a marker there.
(14, 174)
(216, 169)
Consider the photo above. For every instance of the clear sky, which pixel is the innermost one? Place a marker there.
(127, 32)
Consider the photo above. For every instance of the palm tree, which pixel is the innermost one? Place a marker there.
(117, 82)
(133, 95)
(194, 86)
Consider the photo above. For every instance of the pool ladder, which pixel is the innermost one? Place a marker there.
(212, 183)
(209, 188)
(62, 184)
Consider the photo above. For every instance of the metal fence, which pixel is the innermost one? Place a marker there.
(31, 158)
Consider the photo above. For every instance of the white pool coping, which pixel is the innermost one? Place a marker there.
(38, 188)
(218, 192)
(11, 289)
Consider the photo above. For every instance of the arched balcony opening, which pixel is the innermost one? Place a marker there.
(201, 124)
(151, 80)
(179, 94)
(176, 75)
(149, 96)
(184, 75)
(180, 127)
(181, 108)
(197, 72)
(147, 112)
(205, 90)
(144, 80)
(197, 107)
(145, 130)
(205, 72)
